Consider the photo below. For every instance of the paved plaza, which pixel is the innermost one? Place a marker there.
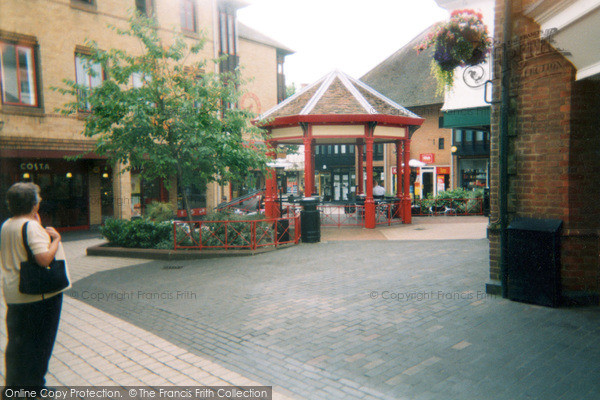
(397, 313)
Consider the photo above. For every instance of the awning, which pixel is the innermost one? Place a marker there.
(467, 118)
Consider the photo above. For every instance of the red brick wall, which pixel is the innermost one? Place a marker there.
(554, 149)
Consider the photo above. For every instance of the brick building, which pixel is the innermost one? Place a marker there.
(39, 49)
(552, 142)
(405, 77)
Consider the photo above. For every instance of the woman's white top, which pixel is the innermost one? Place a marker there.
(13, 252)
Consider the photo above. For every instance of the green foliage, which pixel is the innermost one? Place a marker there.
(138, 233)
(216, 233)
(444, 78)
(460, 193)
(462, 201)
(160, 212)
(177, 122)
(290, 90)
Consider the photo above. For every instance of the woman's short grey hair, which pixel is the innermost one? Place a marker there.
(22, 197)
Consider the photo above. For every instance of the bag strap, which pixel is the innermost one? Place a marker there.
(30, 256)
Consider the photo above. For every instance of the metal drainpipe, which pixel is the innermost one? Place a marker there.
(504, 111)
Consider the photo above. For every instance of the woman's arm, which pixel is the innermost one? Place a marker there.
(44, 259)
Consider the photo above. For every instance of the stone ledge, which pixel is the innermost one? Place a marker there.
(104, 250)
(493, 287)
(580, 299)
(568, 298)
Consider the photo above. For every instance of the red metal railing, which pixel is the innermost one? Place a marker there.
(227, 235)
(341, 215)
(354, 215)
(448, 206)
(388, 213)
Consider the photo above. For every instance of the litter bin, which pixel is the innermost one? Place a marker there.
(310, 220)
(534, 261)
(283, 230)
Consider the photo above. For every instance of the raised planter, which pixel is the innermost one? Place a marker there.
(104, 250)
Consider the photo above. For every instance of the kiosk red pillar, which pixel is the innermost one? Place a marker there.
(359, 175)
(369, 202)
(398, 210)
(309, 173)
(271, 209)
(406, 198)
(312, 159)
(399, 181)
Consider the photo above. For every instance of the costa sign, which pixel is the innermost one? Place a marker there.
(35, 167)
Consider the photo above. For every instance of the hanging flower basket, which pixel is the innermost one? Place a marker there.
(461, 41)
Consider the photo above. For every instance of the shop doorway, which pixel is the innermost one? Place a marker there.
(343, 185)
(106, 195)
(427, 183)
(324, 185)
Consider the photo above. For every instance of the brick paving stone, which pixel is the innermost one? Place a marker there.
(260, 320)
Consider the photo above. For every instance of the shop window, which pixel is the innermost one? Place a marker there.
(88, 74)
(139, 79)
(473, 173)
(196, 195)
(228, 40)
(377, 152)
(457, 137)
(188, 15)
(228, 34)
(281, 92)
(18, 74)
(84, 5)
(144, 7)
(468, 136)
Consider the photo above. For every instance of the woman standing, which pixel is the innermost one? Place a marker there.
(31, 320)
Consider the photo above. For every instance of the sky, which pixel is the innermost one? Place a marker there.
(350, 35)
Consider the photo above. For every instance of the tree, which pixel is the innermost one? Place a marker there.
(178, 122)
(290, 90)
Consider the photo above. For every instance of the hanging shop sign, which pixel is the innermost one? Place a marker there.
(428, 158)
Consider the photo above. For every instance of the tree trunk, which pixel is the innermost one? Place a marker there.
(186, 203)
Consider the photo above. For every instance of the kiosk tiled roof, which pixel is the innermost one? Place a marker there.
(340, 94)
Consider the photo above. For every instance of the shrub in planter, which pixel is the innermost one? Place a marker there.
(139, 233)
(160, 212)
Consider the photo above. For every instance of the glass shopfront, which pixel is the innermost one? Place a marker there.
(337, 185)
(473, 173)
(144, 192)
(64, 187)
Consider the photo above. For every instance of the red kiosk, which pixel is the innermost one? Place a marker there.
(338, 109)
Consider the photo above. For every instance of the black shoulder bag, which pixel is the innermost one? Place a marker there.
(36, 279)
